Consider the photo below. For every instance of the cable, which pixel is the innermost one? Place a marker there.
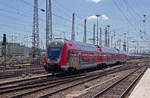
(29, 4)
(124, 15)
(125, 1)
(61, 17)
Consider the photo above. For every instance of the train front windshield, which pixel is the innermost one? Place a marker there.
(54, 52)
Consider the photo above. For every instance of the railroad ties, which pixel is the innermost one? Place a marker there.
(113, 81)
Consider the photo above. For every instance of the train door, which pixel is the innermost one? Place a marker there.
(76, 62)
(79, 65)
(71, 58)
(74, 59)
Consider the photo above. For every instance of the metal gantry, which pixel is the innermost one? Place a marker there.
(35, 33)
(100, 36)
(108, 33)
(49, 33)
(97, 28)
(84, 37)
(73, 27)
(94, 34)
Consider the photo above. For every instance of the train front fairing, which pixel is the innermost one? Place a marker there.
(53, 56)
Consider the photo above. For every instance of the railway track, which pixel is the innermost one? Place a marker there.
(34, 78)
(20, 81)
(17, 72)
(121, 87)
(32, 87)
(73, 81)
(34, 82)
(52, 94)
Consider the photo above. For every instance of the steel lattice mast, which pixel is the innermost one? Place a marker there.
(73, 27)
(84, 37)
(35, 33)
(49, 33)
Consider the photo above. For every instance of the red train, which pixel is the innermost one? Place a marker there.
(64, 55)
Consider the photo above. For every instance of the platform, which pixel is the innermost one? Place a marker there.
(142, 89)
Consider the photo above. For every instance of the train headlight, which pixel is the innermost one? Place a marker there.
(48, 60)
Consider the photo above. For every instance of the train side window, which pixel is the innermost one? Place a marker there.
(77, 53)
(72, 53)
(68, 54)
(79, 58)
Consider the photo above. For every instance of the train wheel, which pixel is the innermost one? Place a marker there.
(104, 65)
(72, 70)
(99, 66)
(53, 73)
(46, 69)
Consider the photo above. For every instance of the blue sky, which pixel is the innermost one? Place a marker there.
(123, 16)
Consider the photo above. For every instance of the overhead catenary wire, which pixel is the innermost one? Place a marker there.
(78, 25)
(124, 15)
(136, 13)
(115, 3)
(61, 17)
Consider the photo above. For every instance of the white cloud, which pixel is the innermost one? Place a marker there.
(91, 17)
(103, 17)
(95, 1)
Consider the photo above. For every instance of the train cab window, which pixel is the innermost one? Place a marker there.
(54, 52)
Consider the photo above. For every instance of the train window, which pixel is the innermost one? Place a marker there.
(54, 52)
(76, 54)
(79, 58)
(72, 53)
(68, 54)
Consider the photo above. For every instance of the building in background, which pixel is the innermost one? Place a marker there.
(1, 51)
(15, 49)
(26, 51)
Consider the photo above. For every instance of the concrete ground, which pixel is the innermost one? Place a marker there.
(142, 89)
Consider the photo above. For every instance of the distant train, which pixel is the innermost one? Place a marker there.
(137, 56)
(64, 55)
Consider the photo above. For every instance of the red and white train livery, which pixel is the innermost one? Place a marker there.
(64, 55)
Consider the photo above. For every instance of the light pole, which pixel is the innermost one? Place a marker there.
(124, 44)
(64, 35)
(97, 27)
(94, 34)
(100, 42)
(108, 36)
(84, 37)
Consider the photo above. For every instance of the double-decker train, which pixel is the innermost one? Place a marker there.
(64, 55)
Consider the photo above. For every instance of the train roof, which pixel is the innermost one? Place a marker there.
(122, 52)
(136, 55)
(80, 45)
(106, 49)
